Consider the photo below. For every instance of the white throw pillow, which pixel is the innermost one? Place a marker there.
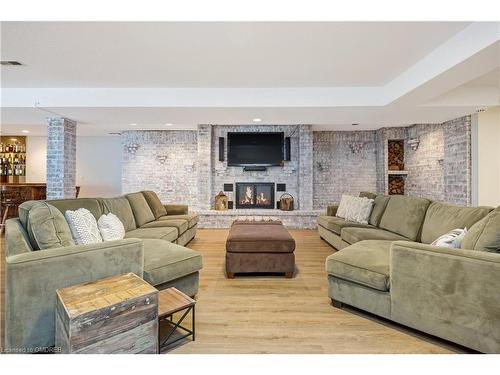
(344, 204)
(83, 226)
(355, 209)
(360, 210)
(452, 239)
(111, 227)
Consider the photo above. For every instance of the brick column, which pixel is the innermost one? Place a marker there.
(61, 158)
(204, 140)
(305, 167)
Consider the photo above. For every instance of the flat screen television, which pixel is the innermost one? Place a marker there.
(255, 149)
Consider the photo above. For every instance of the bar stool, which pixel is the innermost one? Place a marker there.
(10, 199)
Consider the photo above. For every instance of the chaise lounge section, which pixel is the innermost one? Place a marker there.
(153, 248)
(389, 268)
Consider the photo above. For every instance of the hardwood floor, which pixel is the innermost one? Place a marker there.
(273, 314)
(278, 315)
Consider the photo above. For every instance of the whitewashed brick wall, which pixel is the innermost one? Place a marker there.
(61, 158)
(322, 166)
(337, 170)
(175, 181)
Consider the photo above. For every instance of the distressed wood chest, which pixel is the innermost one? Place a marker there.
(113, 315)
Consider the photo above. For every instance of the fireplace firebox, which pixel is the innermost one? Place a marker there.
(255, 195)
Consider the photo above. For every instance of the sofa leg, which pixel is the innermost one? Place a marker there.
(230, 275)
(337, 304)
(288, 275)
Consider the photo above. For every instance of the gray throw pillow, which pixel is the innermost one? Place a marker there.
(484, 235)
(47, 228)
(155, 204)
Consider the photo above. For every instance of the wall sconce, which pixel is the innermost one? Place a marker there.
(320, 166)
(356, 147)
(132, 148)
(161, 159)
(413, 143)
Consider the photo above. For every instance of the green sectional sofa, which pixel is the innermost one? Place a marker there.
(153, 248)
(389, 268)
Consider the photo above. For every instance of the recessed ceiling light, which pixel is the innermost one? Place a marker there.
(168, 124)
(25, 131)
(257, 119)
(132, 124)
(10, 62)
(354, 124)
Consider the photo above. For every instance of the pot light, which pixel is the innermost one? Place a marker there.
(133, 124)
(25, 131)
(354, 124)
(257, 119)
(168, 124)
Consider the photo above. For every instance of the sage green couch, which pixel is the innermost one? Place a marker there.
(389, 268)
(152, 248)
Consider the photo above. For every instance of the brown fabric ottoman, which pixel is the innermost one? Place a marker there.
(259, 246)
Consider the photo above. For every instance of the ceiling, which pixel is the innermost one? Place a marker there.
(107, 75)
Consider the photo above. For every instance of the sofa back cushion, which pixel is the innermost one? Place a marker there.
(91, 204)
(379, 204)
(441, 218)
(140, 208)
(120, 206)
(485, 234)
(404, 215)
(155, 204)
(46, 226)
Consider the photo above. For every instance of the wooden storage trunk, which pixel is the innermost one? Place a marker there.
(113, 315)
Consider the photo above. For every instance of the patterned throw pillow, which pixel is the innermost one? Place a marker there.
(111, 227)
(355, 209)
(360, 210)
(344, 204)
(83, 226)
(452, 239)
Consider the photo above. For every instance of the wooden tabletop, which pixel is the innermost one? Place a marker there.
(83, 298)
(172, 300)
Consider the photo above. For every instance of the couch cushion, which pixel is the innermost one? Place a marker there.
(165, 233)
(365, 263)
(442, 218)
(192, 219)
(404, 215)
(379, 206)
(140, 208)
(335, 224)
(353, 235)
(46, 226)
(367, 194)
(180, 224)
(485, 234)
(154, 203)
(120, 207)
(165, 261)
(91, 204)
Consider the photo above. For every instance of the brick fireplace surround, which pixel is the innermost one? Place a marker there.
(323, 166)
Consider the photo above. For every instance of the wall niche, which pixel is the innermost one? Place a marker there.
(396, 173)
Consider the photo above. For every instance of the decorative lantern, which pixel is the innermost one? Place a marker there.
(286, 202)
(221, 201)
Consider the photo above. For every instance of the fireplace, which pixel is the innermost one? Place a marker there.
(254, 195)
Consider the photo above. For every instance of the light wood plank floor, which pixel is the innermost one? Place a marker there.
(272, 314)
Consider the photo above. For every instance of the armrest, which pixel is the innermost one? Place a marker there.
(176, 209)
(450, 293)
(33, 278)
(332, 210)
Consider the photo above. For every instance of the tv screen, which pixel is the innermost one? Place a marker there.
(252, 149)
